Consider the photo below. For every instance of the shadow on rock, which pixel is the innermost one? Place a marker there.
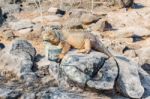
(137, 6)
(146, 67)
(1, 17)
(2, 46)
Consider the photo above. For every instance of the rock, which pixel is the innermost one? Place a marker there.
(73, 23)
(21, 45)
(145, 79)
(67, 4)
(33, 1)
(28, 96)
(9, 94)
(144, 55)
(90, 69)
(43, 66)
(57, 93)
(147, 97)
(129, 87)
(37, 27)
(8, 35)
(34, 33)
(48, 18)
(130, 53)
(125, 3)
(9, 2)
(1, 12)
(22, 24)
(2, 46)
(133, 32)
(18, 59)
(20, 64)
(5, 2)
(12, 8)
(10, 18)
(47, 80)
(146, 67)
(88, 18)
(1, 17)
(51, 51)
(105, 79)
(57, 73)
(122, 3)
(101, 25)
(43, 62)
(55, 25)
(117, 45)
(76, 13)
(24, 32)
(74, 2)
(46, 73)
(53, 10)
(54, 70)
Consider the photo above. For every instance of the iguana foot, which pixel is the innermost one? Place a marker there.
(61, 56)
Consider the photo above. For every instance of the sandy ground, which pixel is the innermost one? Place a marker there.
(144, 6)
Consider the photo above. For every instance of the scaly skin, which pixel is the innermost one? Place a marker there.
(84, 42)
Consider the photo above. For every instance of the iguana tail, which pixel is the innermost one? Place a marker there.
(101, 48)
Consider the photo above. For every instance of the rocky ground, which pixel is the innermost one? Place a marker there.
(25, 73)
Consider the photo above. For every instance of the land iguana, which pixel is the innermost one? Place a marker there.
(82, 41)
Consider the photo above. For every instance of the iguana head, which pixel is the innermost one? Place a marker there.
(51, 37)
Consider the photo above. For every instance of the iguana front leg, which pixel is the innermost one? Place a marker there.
(65, 48)
(87, 47)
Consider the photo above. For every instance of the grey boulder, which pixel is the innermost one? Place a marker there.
(73, 23)
(32, 1)
(144, 55)
(6, 93)
(57, 93)
(88, 18)
(106, 76)
(145, 79)
(129, 81)
(11, 8)
(101, 25)
(121, 3)
(91, 69)
(1, 17)
(18, 59)
(21, 45)
(22, 24)
(28, 96)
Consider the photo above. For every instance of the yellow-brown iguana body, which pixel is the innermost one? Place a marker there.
(84, 42)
